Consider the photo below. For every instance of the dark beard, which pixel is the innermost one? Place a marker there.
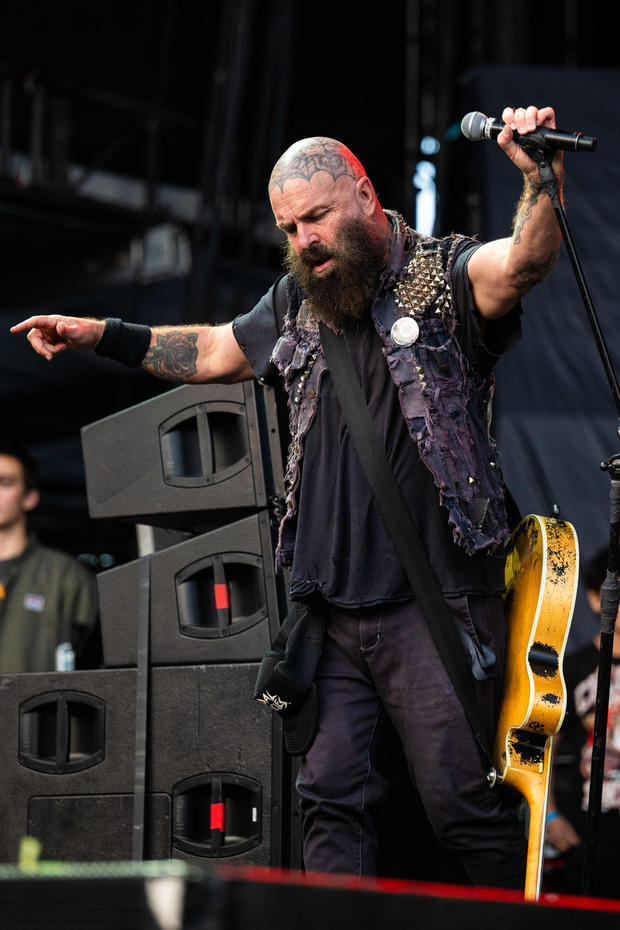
(347, 289)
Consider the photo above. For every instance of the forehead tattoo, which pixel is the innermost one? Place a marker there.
(304, 161)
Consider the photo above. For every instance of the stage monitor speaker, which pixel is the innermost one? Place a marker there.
(104, 896)
(214, 787)
(191, 459)
(213, 598)
(127, 896)
(260, 900)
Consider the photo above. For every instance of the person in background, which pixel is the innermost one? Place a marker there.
(48, 599)
(569, 795)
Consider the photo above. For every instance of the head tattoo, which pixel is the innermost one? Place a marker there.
(305, 158)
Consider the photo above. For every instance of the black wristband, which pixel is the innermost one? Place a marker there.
(124, 342)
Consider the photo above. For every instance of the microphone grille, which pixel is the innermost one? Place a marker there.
(472, 126)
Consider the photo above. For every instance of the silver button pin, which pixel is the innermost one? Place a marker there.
(405, 331)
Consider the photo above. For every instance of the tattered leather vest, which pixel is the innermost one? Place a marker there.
(444, 399)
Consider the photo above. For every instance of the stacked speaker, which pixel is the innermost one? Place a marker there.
(163, 752)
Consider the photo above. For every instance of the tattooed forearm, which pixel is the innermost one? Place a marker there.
(528, 270)
(173, 356)
(524, 210)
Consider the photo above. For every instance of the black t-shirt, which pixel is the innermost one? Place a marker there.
(343, 550)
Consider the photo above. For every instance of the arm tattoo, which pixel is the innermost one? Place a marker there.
(322, 155)
(531, 273)
(523, 213)
(173, 356)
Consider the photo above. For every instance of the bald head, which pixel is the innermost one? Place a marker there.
(317, 189)
(317, 154)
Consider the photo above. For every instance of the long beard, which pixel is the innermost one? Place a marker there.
(347, 289)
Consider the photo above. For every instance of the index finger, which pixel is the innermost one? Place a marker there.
(33, 322)
(508, 117)
(546, 117)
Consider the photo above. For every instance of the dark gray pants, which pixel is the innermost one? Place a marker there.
(380, 672)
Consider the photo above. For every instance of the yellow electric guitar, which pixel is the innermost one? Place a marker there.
(541, 585)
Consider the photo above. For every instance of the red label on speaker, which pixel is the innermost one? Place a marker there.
(222, 596)
(218, 817)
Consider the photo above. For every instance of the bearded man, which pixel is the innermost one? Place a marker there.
(440, 312)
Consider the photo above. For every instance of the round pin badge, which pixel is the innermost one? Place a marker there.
(405, 331)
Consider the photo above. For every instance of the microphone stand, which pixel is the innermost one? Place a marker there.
(543, 155)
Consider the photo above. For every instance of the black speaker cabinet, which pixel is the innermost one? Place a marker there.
(66, 737)
(192, 458)
(213, 764)
(224, 774)
(213, 598)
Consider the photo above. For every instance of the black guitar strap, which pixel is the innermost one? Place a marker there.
(399, 521)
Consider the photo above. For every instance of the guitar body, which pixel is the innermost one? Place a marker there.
(541, 586)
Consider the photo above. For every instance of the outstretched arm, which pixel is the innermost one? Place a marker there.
(176, 353)
(196, 354)
(503, 271)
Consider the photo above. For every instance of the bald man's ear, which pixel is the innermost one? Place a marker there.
(365, 195)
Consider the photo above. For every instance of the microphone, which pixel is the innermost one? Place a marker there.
(477, 126)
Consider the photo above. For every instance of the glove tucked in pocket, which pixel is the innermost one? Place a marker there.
(285, 680)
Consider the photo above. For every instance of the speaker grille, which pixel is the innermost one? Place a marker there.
(61, 732)
(221, 595)
(216, 814)
(204, 444)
